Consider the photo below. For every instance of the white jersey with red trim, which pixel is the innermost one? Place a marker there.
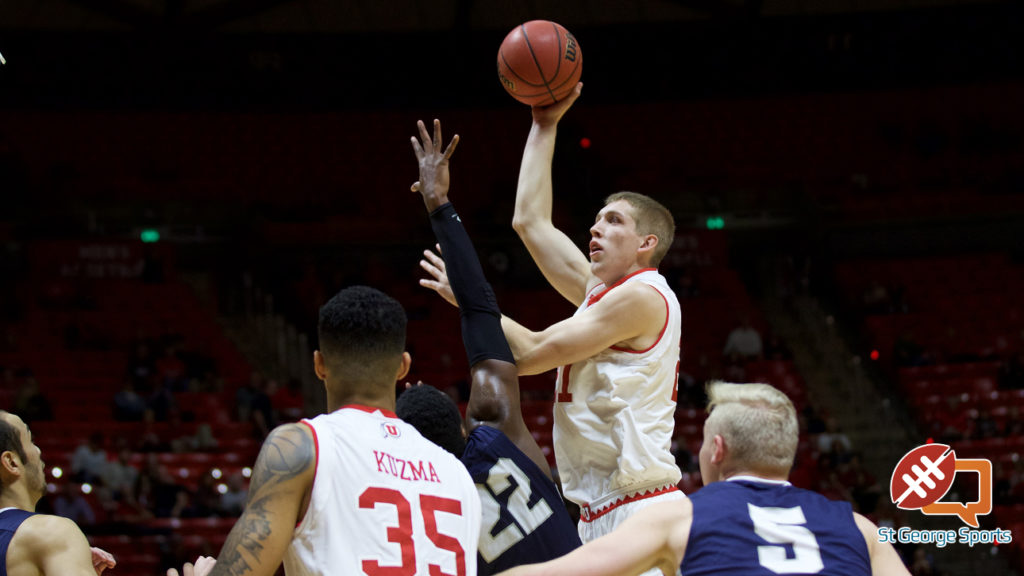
(615, 412)
(385, 501)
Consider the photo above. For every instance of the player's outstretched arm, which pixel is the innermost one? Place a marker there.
(494, 391)
(559, 259)
(885, 561)
(55, 545)
(281, 481)
(632, 314)
(654, 537)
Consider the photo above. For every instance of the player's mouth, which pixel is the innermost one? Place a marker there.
(595, 248)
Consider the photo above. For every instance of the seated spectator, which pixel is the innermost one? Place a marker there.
(31, 404)
(288, 403)
(89, 460)
(245, 395)
(907, 352)
(776, 349)
(233, 501)
(119, 475)
(862, 485)
(832, 437)
(983, 426)
(1011, 373)
(875, 298)
(205, 500)
(170, 370)
(141, 367)
(744, 341)
(72, 505)
(129, 405)
(203, 440)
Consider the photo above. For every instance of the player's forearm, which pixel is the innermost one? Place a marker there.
(534, 191)
(525, 344)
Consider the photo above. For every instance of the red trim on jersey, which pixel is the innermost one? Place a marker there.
(594, 299)
(587, 515)
(316, 467)
(660, 334)
(370, 409)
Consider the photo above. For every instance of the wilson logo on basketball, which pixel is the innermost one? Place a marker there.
(390, 430)
(923, 476)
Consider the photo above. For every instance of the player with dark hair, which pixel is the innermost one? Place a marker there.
(617, 357)
(747, 520)
(524, 518)
(355, 490)
(31, 543)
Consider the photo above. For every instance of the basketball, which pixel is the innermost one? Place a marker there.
(539, 62)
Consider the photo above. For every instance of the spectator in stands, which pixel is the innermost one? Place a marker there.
(119, 476)
(863, 487)
(203, 440)
(908, 352)
(288, 403)
(233, 501)
(205, 500)
(875, 298)
(129, 405)
(744, 340)
(1014, 425)
(167, 499)
(983, 426)
(262, 410)
(245, 395)
(1011, 373)
(72, 505)
(89, 459)
(833, 437)
(31, 404)
(150, 438)
(142, 367)
(922, 563)
(170, 370)
(775, 348)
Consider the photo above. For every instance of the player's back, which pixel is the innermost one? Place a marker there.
(384, 500)
(524, 518)
(749, 526)
(10, 521)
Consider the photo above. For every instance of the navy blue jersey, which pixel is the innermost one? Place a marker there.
(10, 520)
(524, 518)
(752, 528)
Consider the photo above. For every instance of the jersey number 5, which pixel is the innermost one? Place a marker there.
(525, 519)
(402, 533)
(782, 526)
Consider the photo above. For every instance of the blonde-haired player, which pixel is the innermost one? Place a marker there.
(747, 520)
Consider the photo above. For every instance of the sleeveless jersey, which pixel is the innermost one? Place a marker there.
(10, 520)
(385, 501)
(524, 518)
(615, 412)
(753, 527)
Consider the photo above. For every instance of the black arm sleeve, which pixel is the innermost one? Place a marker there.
(481, 318)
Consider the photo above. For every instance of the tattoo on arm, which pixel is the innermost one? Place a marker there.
(287, 453)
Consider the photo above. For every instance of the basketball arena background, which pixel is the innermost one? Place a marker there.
(185, 181)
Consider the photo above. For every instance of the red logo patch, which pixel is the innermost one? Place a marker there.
(389, 429)
(923, 476)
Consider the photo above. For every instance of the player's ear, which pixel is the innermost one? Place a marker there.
(719, 449)
(403, 369)
(649, 243)
(319, 366)
(10, 464)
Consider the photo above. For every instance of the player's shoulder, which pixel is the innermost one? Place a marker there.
(40, 531)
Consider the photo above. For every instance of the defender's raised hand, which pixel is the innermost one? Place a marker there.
(434, 179)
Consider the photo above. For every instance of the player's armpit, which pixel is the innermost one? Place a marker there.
(885, 561)
(281, 481)
(631, 315)
(55, 544)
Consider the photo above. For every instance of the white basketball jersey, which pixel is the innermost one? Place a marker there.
(615, 412)
(385, 501)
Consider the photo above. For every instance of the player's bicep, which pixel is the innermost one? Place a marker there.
(563, 264)
(884, 558)
(281, 479)
(57, 546)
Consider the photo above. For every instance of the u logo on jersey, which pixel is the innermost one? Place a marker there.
(388, 429)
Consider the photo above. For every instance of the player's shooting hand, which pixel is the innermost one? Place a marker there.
(434, 179)
(550, 115)
(434, 266)
(101, 560)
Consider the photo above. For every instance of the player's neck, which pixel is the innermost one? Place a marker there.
(761, 474)
(383, 401)
(17, 497)
(612, 279)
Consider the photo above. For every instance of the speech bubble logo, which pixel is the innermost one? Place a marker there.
(968, 511)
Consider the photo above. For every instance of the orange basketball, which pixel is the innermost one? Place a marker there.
(539, 62)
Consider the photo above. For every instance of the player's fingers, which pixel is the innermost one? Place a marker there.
(435, 260)
(172, 572)
(432, 284)
(417, 148)
(431, 269)
(428, 145)
(437, 132)
(438, 246)
(415, 186)
(451, 147)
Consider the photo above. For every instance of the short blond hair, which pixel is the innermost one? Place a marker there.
(651, 217)
(757, 422)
